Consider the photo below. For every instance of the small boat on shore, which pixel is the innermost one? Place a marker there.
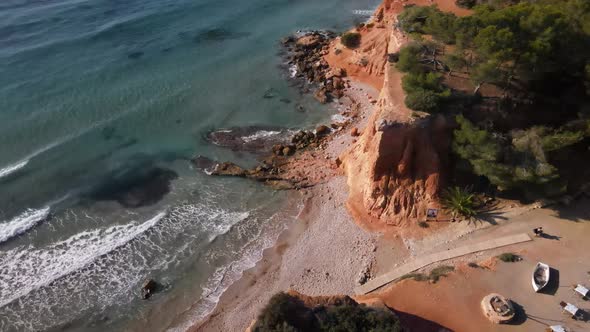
(497, 308)
(540, 276)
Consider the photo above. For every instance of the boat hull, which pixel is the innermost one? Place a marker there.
(540, 277)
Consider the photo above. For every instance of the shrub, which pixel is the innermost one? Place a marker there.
(351, 39)
(434, 275)
(415, 276)
(423, 224)
(423, 101)
(460, 202)
(439, 272)
(286, 313)
(509, 257)
(370, 25)
(466, 3)
(473, 265)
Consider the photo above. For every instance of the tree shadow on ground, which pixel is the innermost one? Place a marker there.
(416, 323)
(490, 213)
(578, 210)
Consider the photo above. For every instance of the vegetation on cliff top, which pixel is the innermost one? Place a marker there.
(351, 39)
(517, 79)
(286, 313)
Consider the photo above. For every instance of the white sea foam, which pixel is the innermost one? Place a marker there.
(293, 71)
(339, 118)
(13, 168)
(22, 223)
(224, 276)
(363, 12)
(7, 170)
(25, 269)
(260, 135)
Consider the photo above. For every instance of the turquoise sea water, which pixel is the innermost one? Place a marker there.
(93, 92)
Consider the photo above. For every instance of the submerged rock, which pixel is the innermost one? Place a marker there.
(137, 188)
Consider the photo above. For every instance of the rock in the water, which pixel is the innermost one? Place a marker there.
(149, 287)
(230, 169)
(204, 163)
(322, 130)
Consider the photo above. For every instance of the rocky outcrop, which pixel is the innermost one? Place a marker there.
(396, 170)
(254, 139)
(277, 169)
(306, 53)
(149, 287)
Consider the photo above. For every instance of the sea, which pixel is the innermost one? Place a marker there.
(101, 97)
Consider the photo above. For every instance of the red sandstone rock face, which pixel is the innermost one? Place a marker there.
(396, 170)
(407, 168)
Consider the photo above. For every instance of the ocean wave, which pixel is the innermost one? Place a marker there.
(224, 276)
(10, 169)
(22, 223)
(25, 269)
(13, 168)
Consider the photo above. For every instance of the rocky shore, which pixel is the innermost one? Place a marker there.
(306, 52)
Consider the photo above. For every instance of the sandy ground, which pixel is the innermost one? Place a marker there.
(454, 302)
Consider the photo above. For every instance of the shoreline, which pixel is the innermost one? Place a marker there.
(296, 260)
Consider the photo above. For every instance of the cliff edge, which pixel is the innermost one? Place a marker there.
(397, 167)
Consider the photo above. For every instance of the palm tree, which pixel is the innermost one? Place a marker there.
(460, 201)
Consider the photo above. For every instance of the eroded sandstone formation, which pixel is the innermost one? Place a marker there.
(396, 169)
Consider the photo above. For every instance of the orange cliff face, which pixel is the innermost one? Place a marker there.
(398, 166)
(366, 63)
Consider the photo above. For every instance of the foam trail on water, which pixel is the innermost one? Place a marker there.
(13, 168)
(260, 135)
(22, 223)
(25, 269)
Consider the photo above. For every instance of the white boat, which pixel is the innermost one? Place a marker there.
(540, 276)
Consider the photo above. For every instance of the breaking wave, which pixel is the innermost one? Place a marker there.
(27, 269)
(13, 168)
(22, 223)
